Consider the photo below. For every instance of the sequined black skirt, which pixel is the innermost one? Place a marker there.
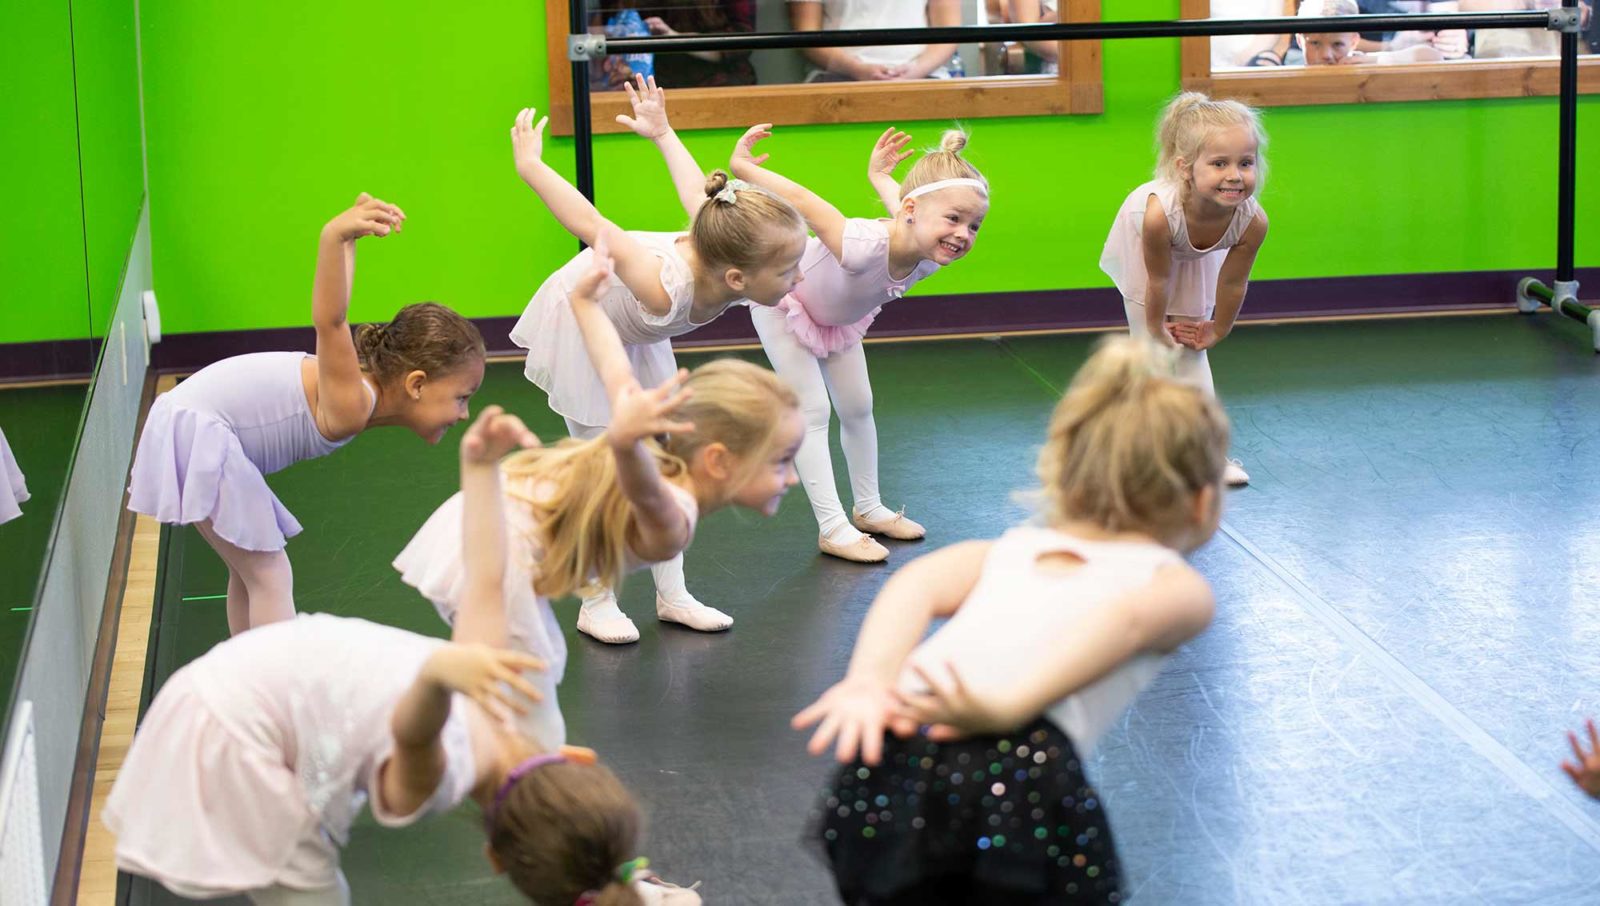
(1012, 813)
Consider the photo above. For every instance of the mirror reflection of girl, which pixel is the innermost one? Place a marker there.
(208, 443)
(13, 485)
(1182, 245)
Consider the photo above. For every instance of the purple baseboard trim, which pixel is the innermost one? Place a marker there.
(932, 316)
(48, 360)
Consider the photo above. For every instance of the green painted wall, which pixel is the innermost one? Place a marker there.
(70, 166)
(42, 291)
(105, 54)
(262, 124)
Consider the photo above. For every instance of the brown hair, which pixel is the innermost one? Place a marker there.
(563, 830)
(746, 231)
(944, 162)
(1188, 123)
(425, 336)
(1129, 445)
(584, 523)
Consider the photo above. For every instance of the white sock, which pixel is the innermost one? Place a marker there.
(876, 512)
(844, 533)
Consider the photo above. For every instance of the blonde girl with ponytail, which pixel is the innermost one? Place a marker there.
(583, 512)
(207, 443)
(744, 244)
(1183, 244)
(1051, 631)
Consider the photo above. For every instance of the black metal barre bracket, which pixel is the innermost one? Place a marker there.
(582, 47)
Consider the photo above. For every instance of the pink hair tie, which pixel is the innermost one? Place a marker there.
(587, 898)
(517, 773)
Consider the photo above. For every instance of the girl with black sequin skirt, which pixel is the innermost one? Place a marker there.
(1052, 630)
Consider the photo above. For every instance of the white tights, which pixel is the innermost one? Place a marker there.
(841, 377)
(260, 583)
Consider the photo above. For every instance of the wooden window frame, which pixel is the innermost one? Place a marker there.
(1076, 89)
(1285, 86)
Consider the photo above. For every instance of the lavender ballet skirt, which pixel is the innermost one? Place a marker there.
(190, 467)
(13, 487)
(822, 340)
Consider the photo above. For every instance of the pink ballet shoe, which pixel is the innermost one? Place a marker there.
(898, 527)
(862, 550)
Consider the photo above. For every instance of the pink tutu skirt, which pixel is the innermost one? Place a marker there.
(207, 809)
(822, 340)
(190, 467)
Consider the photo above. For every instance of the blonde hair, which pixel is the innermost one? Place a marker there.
(743, 227)
(582, 526)
(1327, 9)
(944, 162)
(1190, 120)
(1129, 445)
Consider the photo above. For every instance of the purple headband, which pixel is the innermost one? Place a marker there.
(517, 773)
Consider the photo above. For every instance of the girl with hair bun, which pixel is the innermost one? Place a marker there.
(208, 443)
(744, 244)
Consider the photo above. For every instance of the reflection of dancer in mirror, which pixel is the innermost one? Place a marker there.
(1052, 631)
(743, 243)
(584, 512)
(877, 64)
(1183, 244)
(255, 759)
(208, 442)
(13, 486)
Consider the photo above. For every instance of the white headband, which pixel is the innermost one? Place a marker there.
(938, 184)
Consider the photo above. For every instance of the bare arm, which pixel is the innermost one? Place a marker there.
(1168, 611)
(649, 120)
(1157, 236)
(941, 14)
(660, 530)
(342, 402)
(1234, 277)
(857, 708)
(806, 15)
(638, 269)
(482, 615)
(1029, 11)
(823, 218)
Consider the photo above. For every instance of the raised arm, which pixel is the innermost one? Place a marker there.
(482, 615)
(342, 403)
(856, 710)
(1168, 611)
(650, 121)
(660, 530)
(824, 219)
(639, 270)
(889, 152)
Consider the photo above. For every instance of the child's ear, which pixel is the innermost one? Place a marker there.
(413, 384)
(717, 460)
(908, 209)
(734, 277)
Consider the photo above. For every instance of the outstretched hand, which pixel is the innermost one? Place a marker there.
(638, 413)
(854, 712)
(527, 141)
(492, 677)
(368, 217)
(495, 433)
(889, 152)
(744, 149)
(649, 108)
(1584, 769)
